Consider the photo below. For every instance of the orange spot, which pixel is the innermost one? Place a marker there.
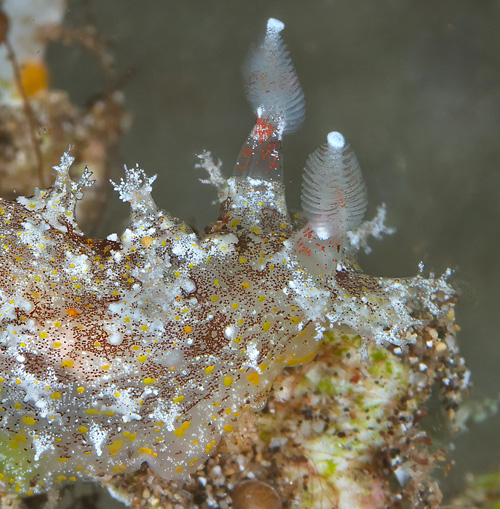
(34, 77)
(146, 241)
(263, 129)
(72, 312)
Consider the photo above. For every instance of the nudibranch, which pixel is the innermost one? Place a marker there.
(148, 346)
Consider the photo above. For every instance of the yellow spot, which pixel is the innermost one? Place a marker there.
(179, 468)
(67, 364)
(61, 478)
(301, 360)
(215, 298)
(63, 460)
(255, 230)
(254, 378)
(106, 367)
(56, 395)
(43, 335)
(238, 340)
(94, 411)
(228, 428)
(115, 447)
(82, 429)
(77, 287)
(118, 469)
(144, 328)
(235, 223)
(209, 369)
(266, 326)
(228, 381)
(29, 421)
(179, 432)
(34, 77)
(216, 282)
(178, 399)
(261, 298)
(142, 358)
(18, 406)
(187, 329)
(57, 324)
(149, 380)
(57, 344)
(80, 389)
(242, 259)
(146, 450)
(235, 305)
(146, 241)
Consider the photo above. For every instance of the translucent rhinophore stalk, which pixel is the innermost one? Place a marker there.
(334, 195)
(274, 91)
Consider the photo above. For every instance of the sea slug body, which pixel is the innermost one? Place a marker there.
(149, 345)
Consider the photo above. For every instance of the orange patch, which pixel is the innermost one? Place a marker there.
(34, 77)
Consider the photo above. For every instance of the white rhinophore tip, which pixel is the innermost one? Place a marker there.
(273, 88)
(274, 26)
(335, 140)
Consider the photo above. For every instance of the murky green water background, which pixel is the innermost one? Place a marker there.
(414, 86)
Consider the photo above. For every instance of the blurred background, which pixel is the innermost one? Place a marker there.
(414, 87)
